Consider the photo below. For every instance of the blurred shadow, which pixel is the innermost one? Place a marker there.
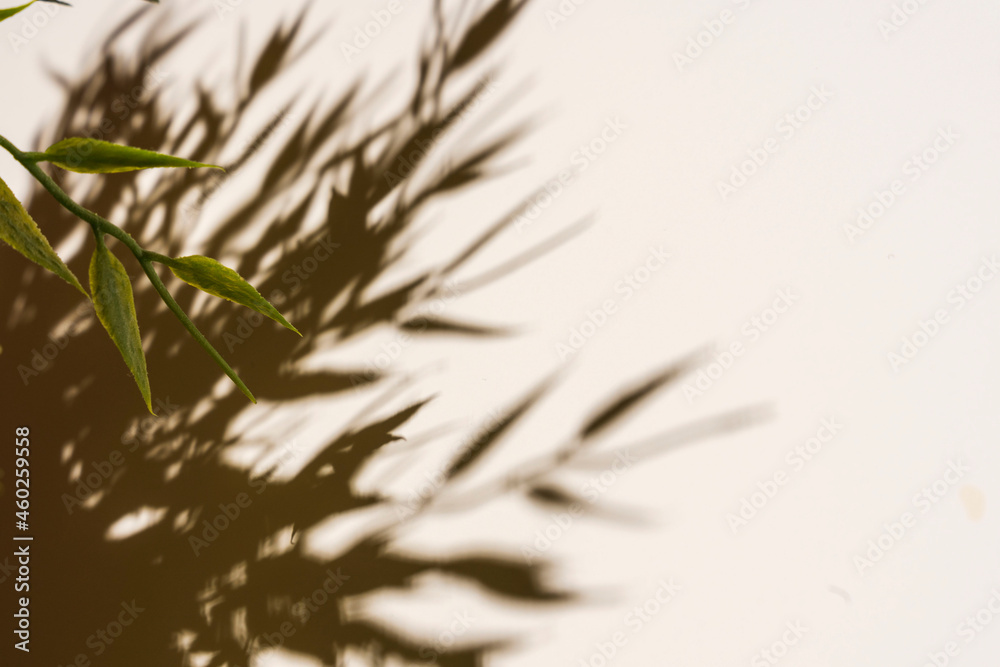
(222, 571)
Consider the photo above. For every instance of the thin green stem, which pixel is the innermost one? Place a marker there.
(162, 259)
(161, 289)
(145, 258)
(97, 222)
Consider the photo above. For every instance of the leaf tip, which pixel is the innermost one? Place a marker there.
(245, 390)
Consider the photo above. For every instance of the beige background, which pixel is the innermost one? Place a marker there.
(826, 357)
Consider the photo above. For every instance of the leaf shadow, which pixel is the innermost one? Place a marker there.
(222, 570)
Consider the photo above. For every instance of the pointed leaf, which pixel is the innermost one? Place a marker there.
(115, 307)
(7, 13)
(210, 276)
(92, 156)
(19, 231)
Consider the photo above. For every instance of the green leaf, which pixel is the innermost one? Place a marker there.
(7, 13)
(115, 308)
(210, 276)
(21, 233)
(92, 156)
